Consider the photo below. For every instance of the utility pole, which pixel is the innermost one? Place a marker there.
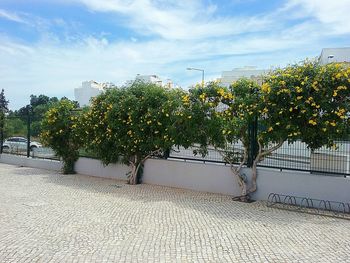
(28, 131)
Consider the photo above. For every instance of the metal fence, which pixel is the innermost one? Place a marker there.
(294, 156)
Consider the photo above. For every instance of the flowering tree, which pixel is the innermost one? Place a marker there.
(60, 132)
(214, 116)
(131, 124)
(306, 102)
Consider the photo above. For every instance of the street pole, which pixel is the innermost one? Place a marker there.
(203, 78)
(198, 69)
(28, 131)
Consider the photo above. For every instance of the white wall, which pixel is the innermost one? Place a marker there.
(301, 184)
(208, 177)
(190, 175)
(35, 163)
(94, 167)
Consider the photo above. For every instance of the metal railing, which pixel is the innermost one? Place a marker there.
(295, 156)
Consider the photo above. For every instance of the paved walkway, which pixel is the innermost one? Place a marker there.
(48, 217)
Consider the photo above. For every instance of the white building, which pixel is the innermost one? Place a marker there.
(151, 79)
(228, 77)
(88, 90)
(329, 55)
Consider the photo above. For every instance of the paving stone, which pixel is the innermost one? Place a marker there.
(49, 217)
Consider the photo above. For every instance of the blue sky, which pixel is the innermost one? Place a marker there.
(50, 47)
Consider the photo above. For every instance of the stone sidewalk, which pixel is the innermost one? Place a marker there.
(49, 217)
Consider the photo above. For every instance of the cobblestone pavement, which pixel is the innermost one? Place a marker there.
(49, 217)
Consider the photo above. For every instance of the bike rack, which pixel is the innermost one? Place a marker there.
(309, 205)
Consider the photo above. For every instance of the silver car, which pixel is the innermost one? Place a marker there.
(18, 144)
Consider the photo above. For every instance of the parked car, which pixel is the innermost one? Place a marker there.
(19, 144)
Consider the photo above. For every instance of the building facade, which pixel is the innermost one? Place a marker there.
(337, 55)
(228, 77)
(154, 79)
(88, 90)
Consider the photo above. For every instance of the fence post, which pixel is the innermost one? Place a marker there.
(253, 141)
(166, 154)
(2, 120)
(28, 131)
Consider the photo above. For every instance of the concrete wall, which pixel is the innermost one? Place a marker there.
(208, 177)
(35, 163)
(301, 184)
(189, 175)
(94, 167)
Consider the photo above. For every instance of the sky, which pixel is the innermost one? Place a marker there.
(51, 46)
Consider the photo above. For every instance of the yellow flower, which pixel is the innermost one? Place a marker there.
(299, 97)
(221, 92)
(228, 95)
(266, 88)
(202, 96)
(298, 89)
(333, 123)
(270, 129)
(312, 122)
(342, 88)
(186, 99)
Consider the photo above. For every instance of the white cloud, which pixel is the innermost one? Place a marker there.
(177, 19)
(334, 15)
(11, 16)
(55, 69)
(190, 34)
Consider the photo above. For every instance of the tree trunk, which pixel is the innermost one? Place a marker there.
(236, 172)
(253, 188)
(242, 184)
(133, 175)
(136, 164)
(259, 157)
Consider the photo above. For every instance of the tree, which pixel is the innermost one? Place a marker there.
(306, 102)
(3, 110)
(3, 102)
(60, 132)
(39, 105)
(131, 125)
(220, 119)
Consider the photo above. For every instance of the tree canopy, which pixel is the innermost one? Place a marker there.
(131, 124)
(60, 131)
